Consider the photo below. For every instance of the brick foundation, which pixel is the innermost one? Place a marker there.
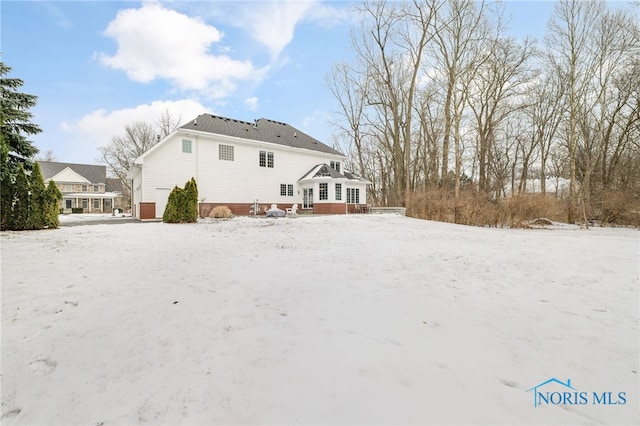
(245, 209)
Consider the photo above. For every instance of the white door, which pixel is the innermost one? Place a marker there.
(162, 195)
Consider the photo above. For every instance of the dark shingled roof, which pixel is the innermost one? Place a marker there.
(113, 185)
(324, 170)
(263, 130)
(94, 174)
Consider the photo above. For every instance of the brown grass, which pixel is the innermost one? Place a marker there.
(479, 210)
(221, 212)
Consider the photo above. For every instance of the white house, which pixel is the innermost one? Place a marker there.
(237, 163)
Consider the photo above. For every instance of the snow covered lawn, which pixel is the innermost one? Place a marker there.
(359, 319)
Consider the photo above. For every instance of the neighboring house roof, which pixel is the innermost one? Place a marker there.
(323, 171)
(113, 185)
(92, 173)
(263, 130)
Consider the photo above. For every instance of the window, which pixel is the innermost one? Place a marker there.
(266, 159)
(335, 165)
(84, 188)
(225, 152)
(324, 191)
(96, 188)
(85, 203)
(338, 191)
(186, 146)
(67, 204)
(96, 204)
(107, 203)
(353, 195)
(286, 190)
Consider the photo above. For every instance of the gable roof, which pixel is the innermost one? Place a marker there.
(263, 130)
(92, 173)
(68, 175)
(324, 171)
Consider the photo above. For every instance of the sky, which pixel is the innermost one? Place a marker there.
(97, 66)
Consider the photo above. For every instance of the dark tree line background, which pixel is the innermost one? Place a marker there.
(450, 116)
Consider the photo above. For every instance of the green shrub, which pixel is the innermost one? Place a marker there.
(182, 205)
(37, 206)
(51, 198)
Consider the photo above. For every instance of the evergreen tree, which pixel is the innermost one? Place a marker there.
(52, 197)
(21, 200)
(182, 205)
(15, 117)
(6, 188)
(171, 211)
(191, 201)
(16, 151)
(37, 205)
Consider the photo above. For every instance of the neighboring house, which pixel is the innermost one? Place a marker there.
(237, 163)
(114, 185)
(83, 186)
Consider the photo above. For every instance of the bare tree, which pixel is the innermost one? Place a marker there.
(48, 155)
(571, 55)
(137, 139)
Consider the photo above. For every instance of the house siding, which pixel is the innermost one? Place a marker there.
(238, 183)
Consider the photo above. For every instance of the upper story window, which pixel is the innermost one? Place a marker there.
(266, 159)
(84, 188)
(96, 188)
(324, 191)
(225, 152)
(186, 146)
(335, 165)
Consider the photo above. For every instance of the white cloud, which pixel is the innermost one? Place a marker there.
(270, 23)
(98, 127)
(251, 103)
(273, 23)
(156, 42)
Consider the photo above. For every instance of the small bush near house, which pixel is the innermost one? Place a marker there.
(221, 212)
(182, 206)
(77, 210)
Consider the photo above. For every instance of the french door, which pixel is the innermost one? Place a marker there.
(307, 198)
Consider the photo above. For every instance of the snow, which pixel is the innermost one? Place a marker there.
(358, 319)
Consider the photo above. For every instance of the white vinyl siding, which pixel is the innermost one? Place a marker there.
(237, 181)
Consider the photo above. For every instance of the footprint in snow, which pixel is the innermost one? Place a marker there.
(42, 366)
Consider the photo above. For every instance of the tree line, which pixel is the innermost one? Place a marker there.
(442, 107)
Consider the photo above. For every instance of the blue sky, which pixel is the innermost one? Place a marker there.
(98, 65)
